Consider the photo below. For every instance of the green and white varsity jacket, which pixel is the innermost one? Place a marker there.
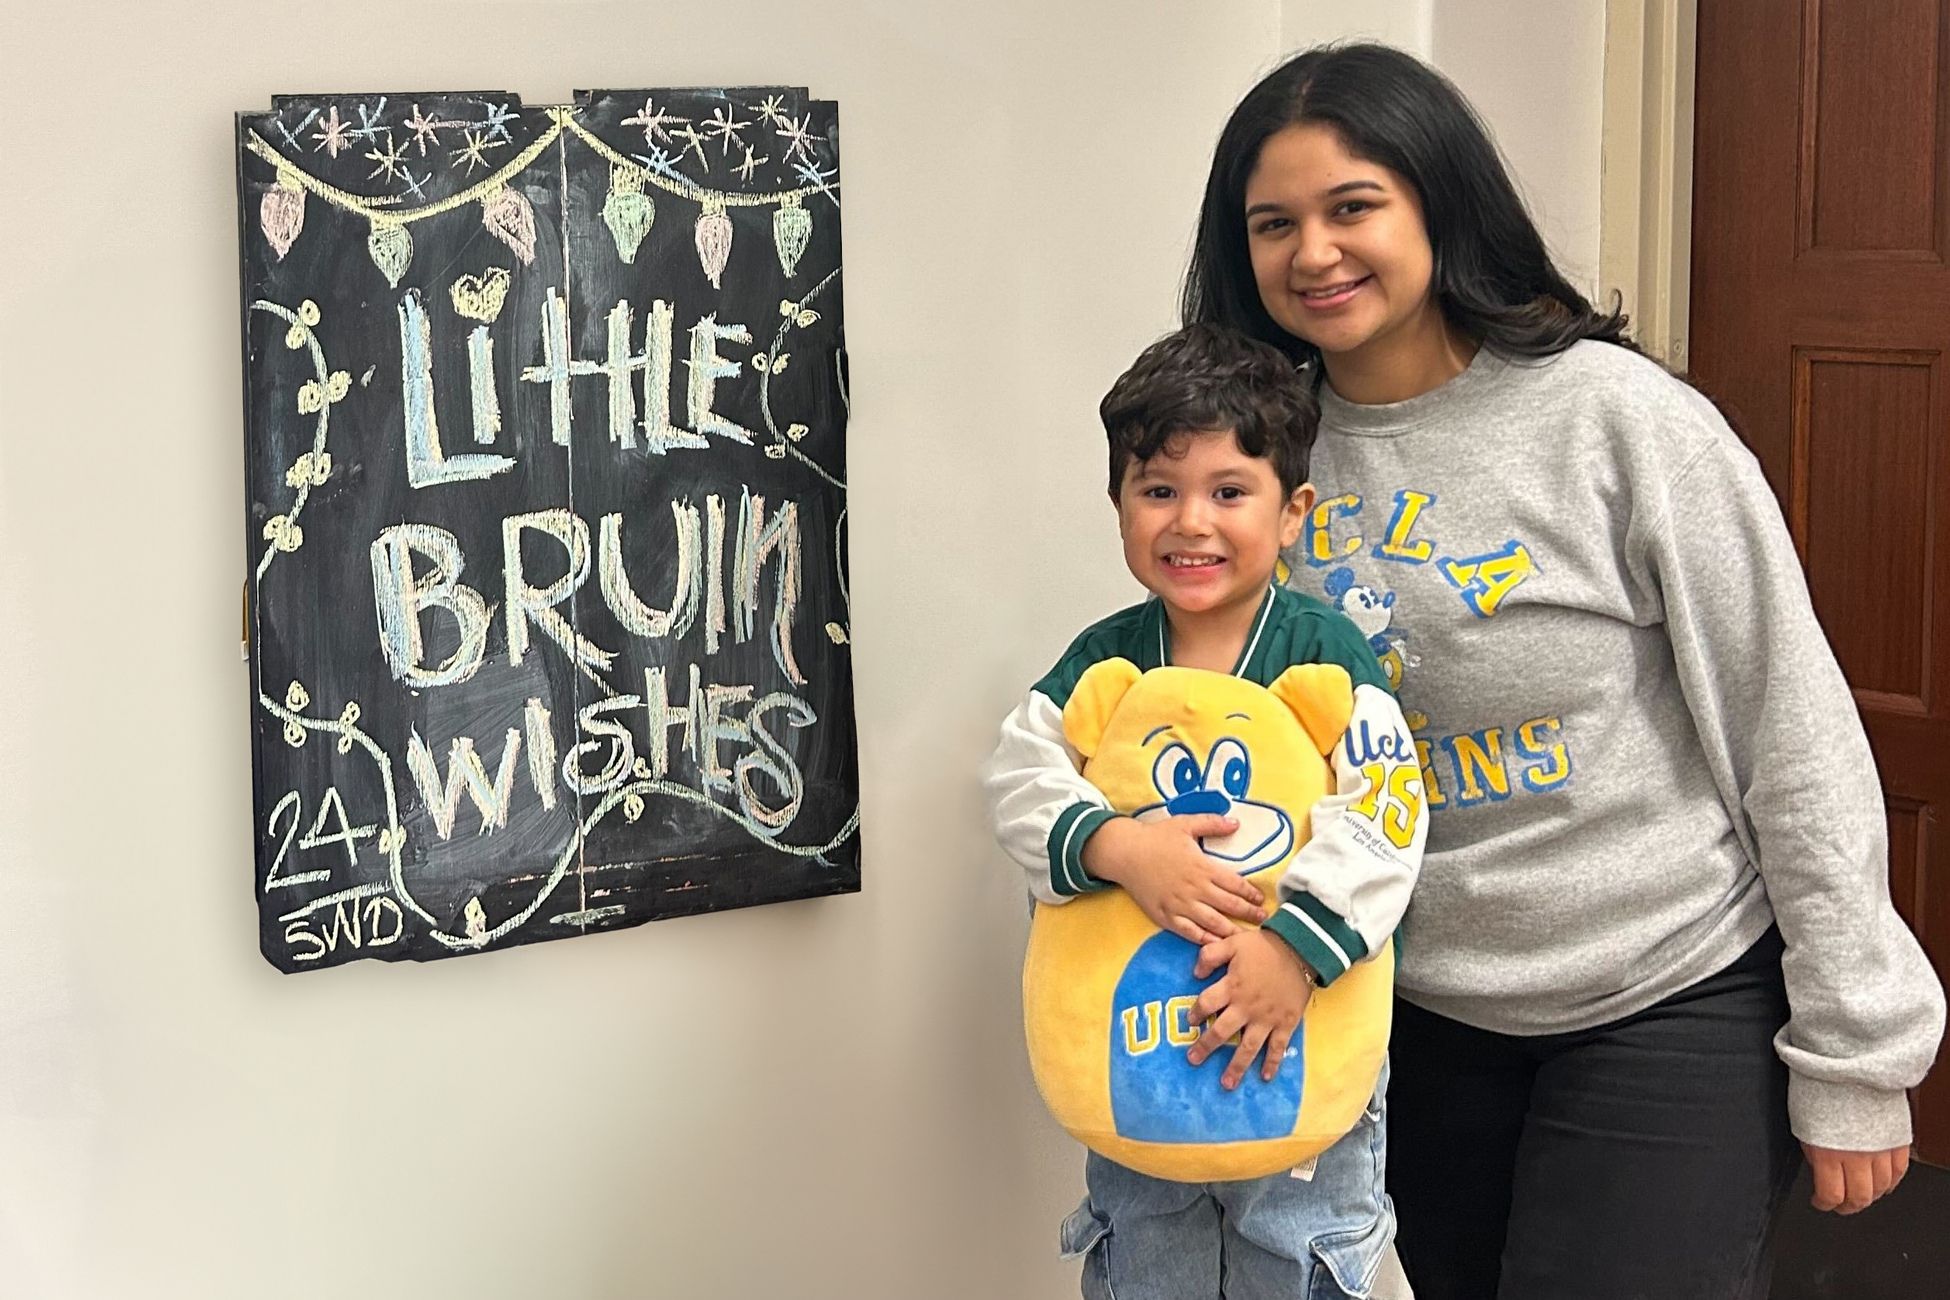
(1344, 892)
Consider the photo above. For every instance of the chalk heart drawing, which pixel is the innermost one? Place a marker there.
(479, 297)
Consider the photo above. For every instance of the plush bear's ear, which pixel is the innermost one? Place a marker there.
(1321, 696)
(1098, 693)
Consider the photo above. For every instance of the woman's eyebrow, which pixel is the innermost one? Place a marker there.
(1345, 187)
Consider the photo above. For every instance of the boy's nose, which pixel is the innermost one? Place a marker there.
(1199, 801)
(1194, 520)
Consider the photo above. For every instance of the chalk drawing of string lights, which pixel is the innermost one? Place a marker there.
(282, 533)
(507, 214)
(785, 443)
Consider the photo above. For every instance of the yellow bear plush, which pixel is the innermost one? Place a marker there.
(1107, 996)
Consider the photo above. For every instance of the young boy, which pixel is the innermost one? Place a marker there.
(1209, 437)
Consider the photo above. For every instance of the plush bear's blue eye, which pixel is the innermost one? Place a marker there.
(1235, 778)
(1229, 769)
(1185, 776)
(1175, 772)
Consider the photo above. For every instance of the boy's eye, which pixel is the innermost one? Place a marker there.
(1158, 492)
(1231, 493)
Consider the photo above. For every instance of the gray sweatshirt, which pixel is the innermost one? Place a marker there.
(1638, 749)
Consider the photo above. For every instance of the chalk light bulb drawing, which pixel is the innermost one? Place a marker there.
(282, 213)
(713, 239)
(628, 211)
(391, 249)
(508, 215)
(791, 232)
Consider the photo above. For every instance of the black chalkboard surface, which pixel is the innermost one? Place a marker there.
(545, 414)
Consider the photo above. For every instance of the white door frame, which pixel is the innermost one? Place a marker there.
(1646, 172)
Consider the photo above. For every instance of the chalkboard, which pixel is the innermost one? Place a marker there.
(544, 414)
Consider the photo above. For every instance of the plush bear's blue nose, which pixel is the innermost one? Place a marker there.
(1199, 801)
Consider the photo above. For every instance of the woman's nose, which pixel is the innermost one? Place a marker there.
(1314, 250)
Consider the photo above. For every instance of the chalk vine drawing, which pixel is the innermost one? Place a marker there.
(722, 550)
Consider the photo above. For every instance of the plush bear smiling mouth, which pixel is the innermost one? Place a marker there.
(1264, 837)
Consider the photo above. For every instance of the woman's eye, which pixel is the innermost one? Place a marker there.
(1353, 208)
(1270, 226)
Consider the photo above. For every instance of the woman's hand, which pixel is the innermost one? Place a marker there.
(1848, 1182)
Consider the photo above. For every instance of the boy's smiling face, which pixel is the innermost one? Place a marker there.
(1203, 524)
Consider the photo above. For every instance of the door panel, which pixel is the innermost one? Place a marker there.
(1821, 321)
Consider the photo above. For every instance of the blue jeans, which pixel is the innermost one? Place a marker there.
(1277, 1238)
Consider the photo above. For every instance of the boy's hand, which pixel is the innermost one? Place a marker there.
(1160, 865)
(1261, 998)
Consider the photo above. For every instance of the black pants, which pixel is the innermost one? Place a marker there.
(1643, 1158)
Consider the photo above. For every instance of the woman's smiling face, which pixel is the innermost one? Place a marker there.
(1339, 250)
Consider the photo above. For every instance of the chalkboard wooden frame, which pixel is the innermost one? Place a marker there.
(544, 413)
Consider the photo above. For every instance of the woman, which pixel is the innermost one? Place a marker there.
(1653, 944)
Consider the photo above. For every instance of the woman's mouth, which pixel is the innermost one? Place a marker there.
(1331, 295)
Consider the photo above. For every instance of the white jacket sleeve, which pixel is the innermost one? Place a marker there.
(1040, 807)
(1345, 890)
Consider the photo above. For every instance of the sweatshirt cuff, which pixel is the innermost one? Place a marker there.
(1847, 1116)
(1073, 829)
(1324, 940)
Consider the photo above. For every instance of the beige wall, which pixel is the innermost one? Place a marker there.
(810, 1100)
(814, 1100)
(1535, 71)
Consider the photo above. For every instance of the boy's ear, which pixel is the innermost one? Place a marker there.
(1321, 696)
(1294, 518)
(1098, 693)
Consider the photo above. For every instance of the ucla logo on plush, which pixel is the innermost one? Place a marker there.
(1156, 1094)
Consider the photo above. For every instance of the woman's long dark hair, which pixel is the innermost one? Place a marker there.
(1493, 277)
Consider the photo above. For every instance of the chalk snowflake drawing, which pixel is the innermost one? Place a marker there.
(334, 135)
(387, 160)
(725, 126)
(320, 161)
(426, 130)
(656, 123)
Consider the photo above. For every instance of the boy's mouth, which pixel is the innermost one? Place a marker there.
(1176, 561)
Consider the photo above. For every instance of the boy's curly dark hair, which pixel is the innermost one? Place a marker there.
(1205, 378)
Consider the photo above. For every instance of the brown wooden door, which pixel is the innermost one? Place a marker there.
(1821, 320)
